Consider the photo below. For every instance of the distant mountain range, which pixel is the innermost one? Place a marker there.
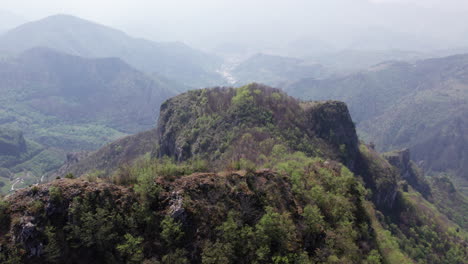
(77, 103)
(347, 61)
(275, 70)
(75, 85)
(63, 103)
(80, 37)
(223, 174)
(421, 105)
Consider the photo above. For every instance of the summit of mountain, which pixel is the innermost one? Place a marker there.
(244, 175)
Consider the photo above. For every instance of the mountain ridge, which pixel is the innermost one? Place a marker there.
(406, 105)
(201, 196)
(81, 37)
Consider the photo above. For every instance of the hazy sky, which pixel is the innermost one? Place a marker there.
(207, 23)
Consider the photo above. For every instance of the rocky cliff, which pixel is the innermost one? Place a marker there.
(216, 123)
(226, 124)
(408, 170)
(247, 175)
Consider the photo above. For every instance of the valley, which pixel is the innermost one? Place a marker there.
(121, 149)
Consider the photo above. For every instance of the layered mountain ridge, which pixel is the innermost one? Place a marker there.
(63, 103)
(421, 106)
(43, 87)
(234, 175)
(79, 37)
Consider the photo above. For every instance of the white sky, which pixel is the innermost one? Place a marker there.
(207, 22)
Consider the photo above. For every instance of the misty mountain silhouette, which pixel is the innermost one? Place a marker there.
(81, 37)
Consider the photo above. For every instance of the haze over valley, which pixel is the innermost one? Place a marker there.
(234, 131)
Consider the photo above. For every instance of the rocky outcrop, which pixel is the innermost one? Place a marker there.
(379, 176)
(331, 121)
(408, 170)
(28, 235)
(212, 123)
(401, 160)
(209, 123)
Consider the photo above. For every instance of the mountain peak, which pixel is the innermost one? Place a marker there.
(64, 20)
(80, 37)
(224, 116)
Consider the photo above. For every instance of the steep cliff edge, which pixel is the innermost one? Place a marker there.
(226, 125)
(247, 175)
(215, 123)
(408, 170)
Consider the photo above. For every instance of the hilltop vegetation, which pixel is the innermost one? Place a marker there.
(241, 219)
(224, 122)
(253, 195)
(229, 175)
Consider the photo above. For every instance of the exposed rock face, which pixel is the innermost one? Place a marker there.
(29, 236)
(222, 125)
(380, 176)
(218, 124)
(176, 209)
(197, 210)
(408, 170)
(228, 124)
(29, 230)
(420, 105)
(213, 123)
(331, 121)
(401, 160)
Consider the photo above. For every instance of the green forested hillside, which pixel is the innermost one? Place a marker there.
(64, 103)
(246, 175)
(421, 106)
(76, 103)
